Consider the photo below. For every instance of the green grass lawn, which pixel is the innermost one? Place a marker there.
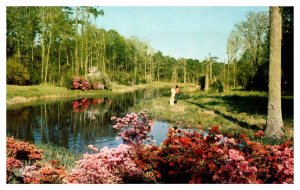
(233, 111)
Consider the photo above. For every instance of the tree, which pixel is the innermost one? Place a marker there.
(233, 46)
(253, 36)
(274, 118)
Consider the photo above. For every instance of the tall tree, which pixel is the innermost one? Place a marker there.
(233, 46)
(274, 118)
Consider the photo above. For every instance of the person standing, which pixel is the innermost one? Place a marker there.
(177, 90)
(172, 98)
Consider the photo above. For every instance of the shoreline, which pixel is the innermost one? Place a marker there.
(21, 96)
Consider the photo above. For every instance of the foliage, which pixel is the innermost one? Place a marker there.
(44, 173)
(106, 166)
(217, 86)
(134, 128)
(22, 151)
(16, 73)
(188, 156)
(80, 83)
(98, 80)
(18, 155)
(22, 164)
(53, 152)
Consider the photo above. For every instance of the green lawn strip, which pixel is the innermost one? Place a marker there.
(249, 109)
(233, 111)
(190, 115)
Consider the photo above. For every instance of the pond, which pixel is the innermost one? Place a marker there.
(78, 123)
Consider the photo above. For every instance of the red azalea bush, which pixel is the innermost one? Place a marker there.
(80, 83)
(188, 156)
(22, 164)
(44, 173)
(22, 151)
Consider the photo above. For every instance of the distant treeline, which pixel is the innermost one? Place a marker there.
(52, 44)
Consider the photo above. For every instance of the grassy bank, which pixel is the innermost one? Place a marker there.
(65, 156)
(27, 95)
(19, 96)
(233, 111)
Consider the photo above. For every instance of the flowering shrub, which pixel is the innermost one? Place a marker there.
(134, 128)
(22, 151)
(107, 166)
(80, 83)
(188, 156)
(22, 165)
(44, 173)
(259, 134)
(19, 154)
(98, 80)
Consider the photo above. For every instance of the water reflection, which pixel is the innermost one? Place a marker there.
(76, 124)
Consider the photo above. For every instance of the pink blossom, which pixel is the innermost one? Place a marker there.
(235, 155)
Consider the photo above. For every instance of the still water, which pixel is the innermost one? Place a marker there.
(78, 123)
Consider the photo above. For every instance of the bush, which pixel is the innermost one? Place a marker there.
(98, 80)
(217, 86)
(16, 73)
(44, 173)
(68, 81)
(18, 155)
(106, 166)
(80, 83)
(188, 156)
(22, 164)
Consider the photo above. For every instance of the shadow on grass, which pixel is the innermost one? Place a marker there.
(230, 118)
(257, 104)
(251, 104)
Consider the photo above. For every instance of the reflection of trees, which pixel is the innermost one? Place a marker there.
(72, 125)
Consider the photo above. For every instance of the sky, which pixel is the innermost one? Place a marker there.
(189, 32)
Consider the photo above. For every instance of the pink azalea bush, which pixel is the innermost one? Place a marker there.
(80, 83)
(134, 128)
(107, 166)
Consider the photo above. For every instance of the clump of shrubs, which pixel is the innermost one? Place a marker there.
(16, 73)
(80, 83)
(186, 156)
(94, 80)
(22, 164)
(217, 86)
(98, 80)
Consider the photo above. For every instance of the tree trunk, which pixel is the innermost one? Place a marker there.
(234, 73)
(42, 43)
(48, 56)
(49, 46)
(210, 69)
(157, 72)
(76, 42)
(103, 53)
(274, 118)
(206, 87)
(59, 63)
(224, 75)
